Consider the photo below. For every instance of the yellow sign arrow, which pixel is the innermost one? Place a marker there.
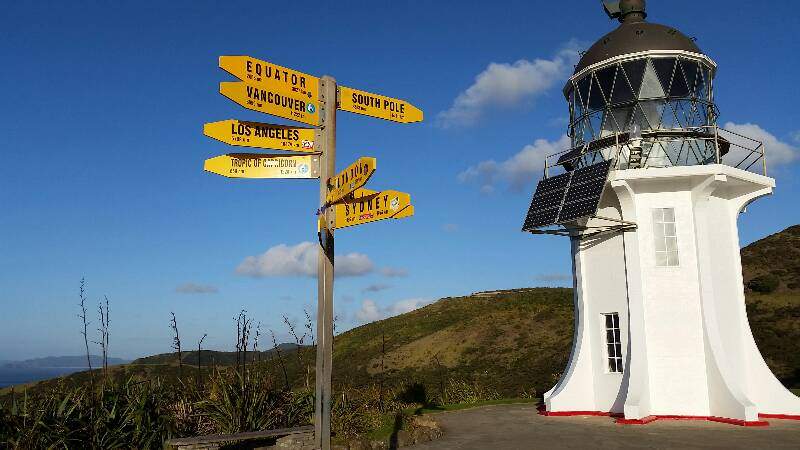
(350, 179)
(382, 107)
(261, 135)
(249, 165)
(265, 74)
(271, 101)
(370, 206)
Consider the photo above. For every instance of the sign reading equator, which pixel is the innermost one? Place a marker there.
(265, 74)
(254, 165)
(271, 101)
(380, 106)
(261, 135)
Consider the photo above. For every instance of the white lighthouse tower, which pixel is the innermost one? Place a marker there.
(649, 195)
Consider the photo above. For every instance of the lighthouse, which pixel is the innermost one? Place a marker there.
(649, 195)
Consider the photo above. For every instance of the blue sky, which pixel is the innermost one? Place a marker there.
(102, 141)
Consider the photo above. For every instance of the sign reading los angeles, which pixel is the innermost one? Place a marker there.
(380, 106)
(265, 74)
(261, 135)
(269, 100)
(350, 179)
(370, 206)
(249, 165)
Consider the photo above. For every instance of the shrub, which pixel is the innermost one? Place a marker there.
(764, 284)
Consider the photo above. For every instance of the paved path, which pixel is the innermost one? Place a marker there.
(518, 427)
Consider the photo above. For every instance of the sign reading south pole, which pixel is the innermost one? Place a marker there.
(380, 106)
(370, 206)
(272, 101)
(254, 165)
(353, 177)
(265, 74)
(261, 135)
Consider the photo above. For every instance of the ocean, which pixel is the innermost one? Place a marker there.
(13, 376)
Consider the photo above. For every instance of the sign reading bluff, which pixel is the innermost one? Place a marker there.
(261, 135)
(370, 206)
(271, 101)
(353, 177)
(380, 106)
(249, 165)
(265, 74)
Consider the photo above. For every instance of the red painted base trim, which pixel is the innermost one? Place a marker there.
(620, 419)
(779, 416)
(728, 420)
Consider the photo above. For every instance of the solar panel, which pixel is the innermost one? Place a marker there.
(540, 218)
(567, 197)
(547, 201)
(576, 210)
(584, 174)
(552, 183)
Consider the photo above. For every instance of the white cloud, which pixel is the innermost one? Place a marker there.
(368, 312)
(450, 227)
(193, 288)
(377, 287)
(507, 85)
(301, 260)
(553, 277)
(371, 311)
(404, 306)
(519, 170)
(394, 272)
(777, 151)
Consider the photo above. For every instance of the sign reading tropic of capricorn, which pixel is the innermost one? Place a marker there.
(311, 152)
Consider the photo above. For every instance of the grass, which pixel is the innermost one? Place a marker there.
(459, 406)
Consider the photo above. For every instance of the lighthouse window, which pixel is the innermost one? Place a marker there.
(666, 238)
(613, 343)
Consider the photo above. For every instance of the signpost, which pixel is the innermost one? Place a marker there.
(343, 201)
(271, 101)
(350, 179)
(380, 106)
(261, 135)
(371, 207)
(265, 74)
(254, 165)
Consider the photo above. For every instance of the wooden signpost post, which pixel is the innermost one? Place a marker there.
(343, 200)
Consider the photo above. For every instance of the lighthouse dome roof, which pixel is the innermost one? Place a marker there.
(634, 37)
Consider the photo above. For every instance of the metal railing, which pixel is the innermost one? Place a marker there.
(729, 148)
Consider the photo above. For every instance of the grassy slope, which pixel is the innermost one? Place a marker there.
(512, 341)
(777, 254)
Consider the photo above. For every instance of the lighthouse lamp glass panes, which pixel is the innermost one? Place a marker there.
(613, 342)
(666, 239)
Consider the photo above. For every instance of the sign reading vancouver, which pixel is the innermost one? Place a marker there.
(267, 100)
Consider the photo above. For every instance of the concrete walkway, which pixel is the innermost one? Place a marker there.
(518, 427)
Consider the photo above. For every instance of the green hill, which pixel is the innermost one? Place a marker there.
(515, 342)
(777, 255)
